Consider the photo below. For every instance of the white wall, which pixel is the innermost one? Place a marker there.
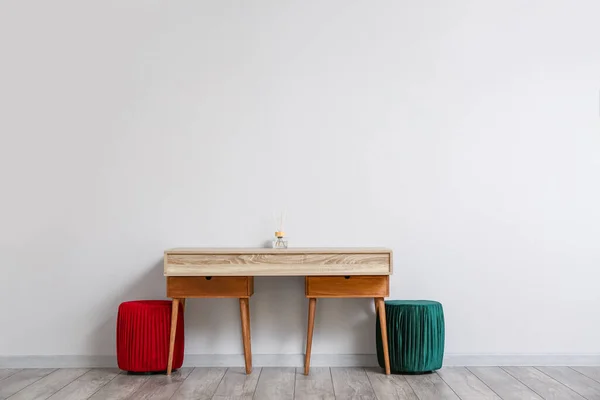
(464, 135)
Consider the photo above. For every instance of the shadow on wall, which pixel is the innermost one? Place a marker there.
(278, 313)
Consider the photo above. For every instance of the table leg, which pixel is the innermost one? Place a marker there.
(174, 313)
(312, 305)
(380, 309)
(245, 314)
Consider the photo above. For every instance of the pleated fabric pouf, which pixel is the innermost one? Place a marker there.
(143, 332)
(415, 336)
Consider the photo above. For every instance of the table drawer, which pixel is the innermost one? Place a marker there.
(347, 286)
(209, 286)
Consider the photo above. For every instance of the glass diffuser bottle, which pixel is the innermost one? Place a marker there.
(280, 242)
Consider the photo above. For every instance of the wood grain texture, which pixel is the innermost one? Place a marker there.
(173, 335)
(246, 340)
(466, 385)
(6, 372)
(277, 259)
(49, 384)
(201, 384)
(430, 387)
(269, 262)
(287, 383)
(590, 372)
(161, 387)
(542, 384)
(237, 385)
(577, 382)
(351, 383)
(317, 385)
(347, 286)
(276, 384)
(268, 250)
(207, 286)
(86, 385)
(380, 307)
(389, 387)
(504, 384)
(312, 309)
(120, 388)
(20, 380)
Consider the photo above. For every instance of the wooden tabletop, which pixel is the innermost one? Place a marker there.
(277, 262)
(268, 250)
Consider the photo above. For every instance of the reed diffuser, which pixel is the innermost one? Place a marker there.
(280, 242)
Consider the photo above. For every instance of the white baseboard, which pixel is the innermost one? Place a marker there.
(281, 360)
(484, 360)
(58, 361)
(297, 360)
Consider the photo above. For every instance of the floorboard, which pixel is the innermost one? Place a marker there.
(201, 384)
(351, 383)
(276, 384)
(86, 385)
(49, 384)
(450, 383)
(430, 387)
(577, 382)
(390, 387)
(466, 385)
(548, 388)
(504, 384)
(161, 387)
(590, 372)
(20, 380)
(6, 372)
(237, 385)
(317, 385)
(120, 388)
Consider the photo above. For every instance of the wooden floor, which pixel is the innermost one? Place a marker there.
(472, 383)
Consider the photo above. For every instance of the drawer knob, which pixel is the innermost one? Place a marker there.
(347, 277)
(208, 278)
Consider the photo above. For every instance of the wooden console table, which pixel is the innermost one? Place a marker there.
(221, 272)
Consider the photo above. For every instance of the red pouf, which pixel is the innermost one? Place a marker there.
(143, 331)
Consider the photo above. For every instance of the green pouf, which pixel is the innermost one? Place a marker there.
(415, 336)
